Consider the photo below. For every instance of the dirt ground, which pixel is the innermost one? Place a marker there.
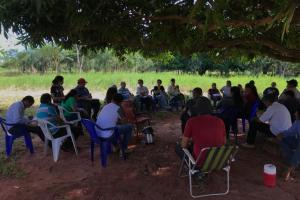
(149, 173)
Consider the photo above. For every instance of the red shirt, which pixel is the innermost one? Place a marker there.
(205, 131)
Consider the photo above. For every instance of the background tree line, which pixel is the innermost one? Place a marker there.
(50, 58)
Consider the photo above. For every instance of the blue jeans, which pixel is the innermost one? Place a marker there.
(291, 150)
(125, 131)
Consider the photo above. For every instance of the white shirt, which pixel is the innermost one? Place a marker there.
(15, 114)
(172, 91)
(108, 118)
(226, 91)
(142, 89)
(278, 116)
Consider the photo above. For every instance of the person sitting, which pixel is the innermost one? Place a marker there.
(85, 99)
(290, 102)
(47, 111)
(110, 93)
(112, 116)
(292, 86)
(159, 95)
(226, 89)
(57, 90)
(143, 97)
(176, 97)
(15, 115)
(230, 109)
(124, 91)
(290, 146)
(273, 121)
(198, 105)
(272, 89)
(203, 131)
(70, 105)
(214, 94)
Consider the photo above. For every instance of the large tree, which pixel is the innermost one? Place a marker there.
(270, 27)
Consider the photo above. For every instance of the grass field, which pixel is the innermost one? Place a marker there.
(100, 81)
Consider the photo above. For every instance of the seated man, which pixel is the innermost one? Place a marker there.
(273, 89)
(199, 105)
(85, 99)
(142, 94)
(111, 116)
(214, 94)
(176, 97)
(290, 102)
(124, 91)
(159, 95)
(204, 131)
(273, 121)
(292, 86)
(47, 111)
(15, 115)
(290, 146)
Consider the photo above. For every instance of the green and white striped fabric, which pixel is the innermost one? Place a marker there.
(217, 157)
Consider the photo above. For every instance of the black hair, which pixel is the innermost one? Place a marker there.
(253, 88)
(289, 93)
(173, 80)
(111, 92)
(118, 98)
(197, 90)
(141, 80)
(46, 98)
(72, 93)
(293, 82)
(270, 97)
(252, 82)
(58, 79)
(29, 99)
(159, 80)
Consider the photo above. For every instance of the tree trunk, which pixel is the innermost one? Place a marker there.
(79, 60)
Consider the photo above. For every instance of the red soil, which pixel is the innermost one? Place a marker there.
(149, 173)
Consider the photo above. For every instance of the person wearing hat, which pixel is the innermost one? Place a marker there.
(273, 121)
(292, 86)
(85, 99)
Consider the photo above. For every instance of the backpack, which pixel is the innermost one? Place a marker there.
(148, 135)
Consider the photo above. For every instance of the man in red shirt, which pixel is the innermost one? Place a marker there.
(204, 131)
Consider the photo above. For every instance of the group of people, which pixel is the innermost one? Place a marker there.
(206, 121)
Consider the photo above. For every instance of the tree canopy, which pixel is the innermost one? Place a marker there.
(269, 27)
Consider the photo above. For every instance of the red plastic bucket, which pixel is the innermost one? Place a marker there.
(270, 175)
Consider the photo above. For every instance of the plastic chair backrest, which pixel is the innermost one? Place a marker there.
(4, 126)
(45, 125)
(90, 127)
(61, 113)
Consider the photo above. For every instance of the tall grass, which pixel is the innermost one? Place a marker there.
(100, 81)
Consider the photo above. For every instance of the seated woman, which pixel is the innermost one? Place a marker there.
(230, 108)
(47, 111)
(69, 104)
(159, 95)
(214, 94)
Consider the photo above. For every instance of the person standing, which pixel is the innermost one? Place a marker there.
(57, 89)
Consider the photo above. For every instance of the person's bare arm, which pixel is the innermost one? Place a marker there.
(184, 142)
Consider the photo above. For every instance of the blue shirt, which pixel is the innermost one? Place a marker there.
(124, 92)
(293, 131)
(48, 112)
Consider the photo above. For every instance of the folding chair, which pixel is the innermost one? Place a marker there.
(217, 158)
(62, 116)
(9, 138)
(56, 142)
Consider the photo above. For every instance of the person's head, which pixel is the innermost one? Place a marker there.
(159, 82)
(252, 82)
(140, 82)
(172, 81)
(236, 95)
(289, 93)
(273, 84)
(214, 86)
(81, 82)
(228, 83)
(46, 98)
(28, 101)
(292, 84)
(197, 92)
(269, 99)
(117, 99)
(72, 93)
(251, 89)
(111, 92)
(58, 80)
(123, 84)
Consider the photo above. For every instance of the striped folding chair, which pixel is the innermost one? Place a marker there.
(217, 158)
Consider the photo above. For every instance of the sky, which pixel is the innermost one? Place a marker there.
(10, 43)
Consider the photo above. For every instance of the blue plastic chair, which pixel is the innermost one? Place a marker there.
(252, 114)
(9, 138)
(105, 143)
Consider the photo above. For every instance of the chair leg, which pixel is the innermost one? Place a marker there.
(28, 142)
(74, 144)
(9, 143)
(56, 148)
(181, 167)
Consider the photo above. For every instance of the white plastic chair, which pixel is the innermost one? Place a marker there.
(56, 142)
(61, 114)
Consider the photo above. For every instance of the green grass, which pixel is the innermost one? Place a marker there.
(8, 167)
(99, 81)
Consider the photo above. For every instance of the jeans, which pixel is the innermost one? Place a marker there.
(125, 131)
(17, 129)
(258, 126)
(291, 150)
(161, 101)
